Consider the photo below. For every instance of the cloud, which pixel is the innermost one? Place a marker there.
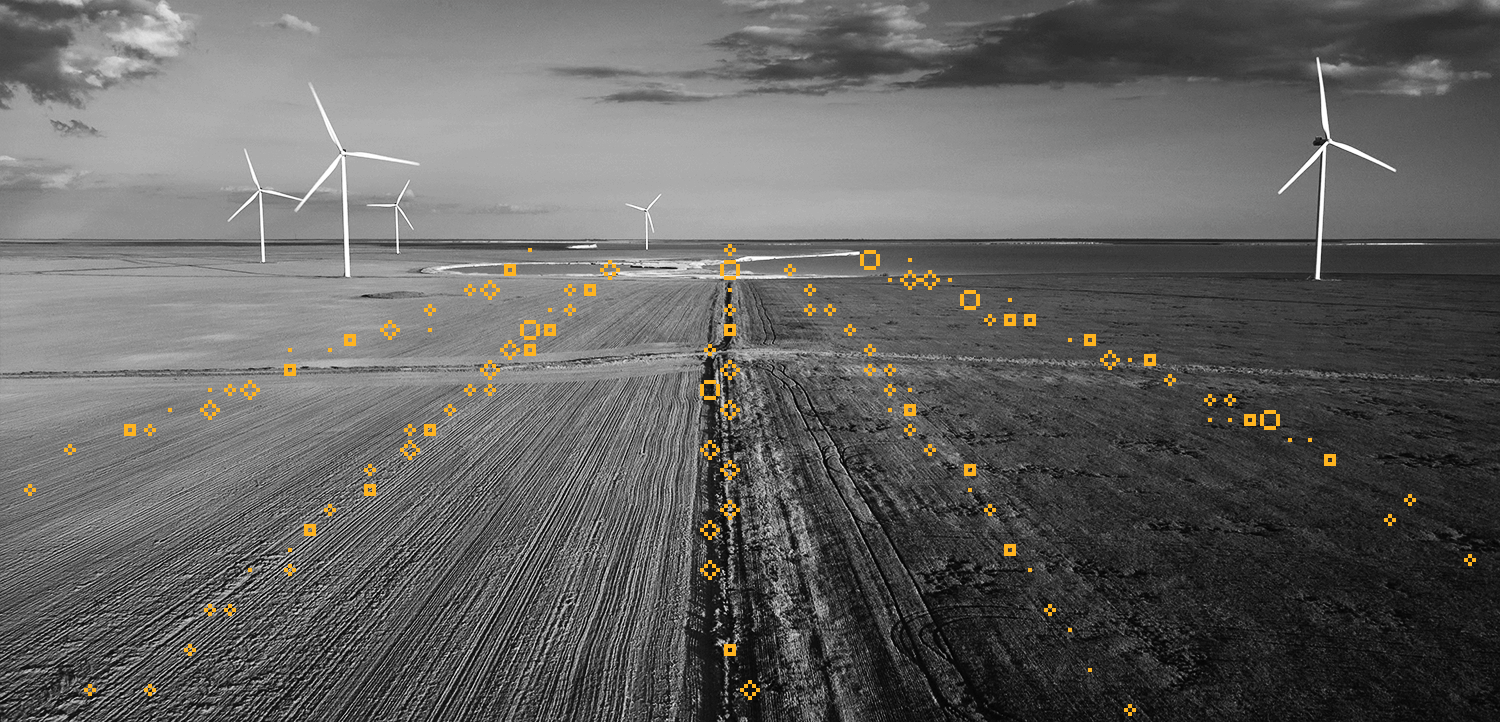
(37, 175)
(1408, 47)
(62, 51)
(1405, 47)
(655, 92)
(843, 43)
(762, 5)
(292, 22)
(75, 129)
(507, 209)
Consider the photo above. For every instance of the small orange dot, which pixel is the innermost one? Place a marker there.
(950, 280)
(1091, 669)
(549, 310)
(908, 260)
(1070, 340)
(250, 570)
(289, 350)
(1028, 569)
(1070, 630)
(528, 250)
(210, 390)
(971, 488)
(1130, 360)
(1210, 419)
(890, 409)
(888, 280)
(429, 330)
(289, 550)
(1309, 439)
(1007, 300)
(169, 409)
(908, 388)
(330, 349)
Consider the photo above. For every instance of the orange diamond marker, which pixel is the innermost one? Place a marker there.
(149, 690)
(89, 690)
(190, 649)
(29, 490)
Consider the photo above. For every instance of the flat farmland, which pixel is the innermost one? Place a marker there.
(531, 561)
(1193, 570)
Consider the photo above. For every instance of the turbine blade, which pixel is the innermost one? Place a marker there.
(279, 193)
(653, 201)
(1362, 154)
(1322, 98)
(408, 220)
(386, 158)
(632, 205)
(1304, 168)
(319, 184)
(649, 224)
(381, 205)
(326, 124)
(252, 197)
(252, 168)
(403, 191)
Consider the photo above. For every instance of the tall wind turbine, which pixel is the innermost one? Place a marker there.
(343, 164)
(647, 210)
(1321, 155)
(399, 214)
(260, 191)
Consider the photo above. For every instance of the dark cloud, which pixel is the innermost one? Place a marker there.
(659, 93)
(63, 50)
(37, 175)
(292, 22)
(1411, 47)
(75, 129)
(753, 6)
(843, 43)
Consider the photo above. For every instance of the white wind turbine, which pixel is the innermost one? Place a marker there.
(647, 210)
(260, 191)
(399, 213)
(1321, 154)
(342, 162)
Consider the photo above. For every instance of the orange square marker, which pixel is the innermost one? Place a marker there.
(1029, 319)
(349, 339)
(1330, 459)
(289, 370)
(549, 329)
(1010, 551)
(1090, 339)
(590, 289)
(509, 269)
(369, 490)
(729, 649)
(309, 530)
(528, 349)
(728, 329)
(909, 409)
(429, 429)
(971, 470)
(1149, 359)
(130, 429)
(1010, 319)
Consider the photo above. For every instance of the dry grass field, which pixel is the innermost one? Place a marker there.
(537, 559)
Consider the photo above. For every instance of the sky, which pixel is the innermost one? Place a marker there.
(755, 119)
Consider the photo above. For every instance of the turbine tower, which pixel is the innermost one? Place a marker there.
(1321, 155)
(399, 214)
(343, 164)
(647, 210)
(260, 191)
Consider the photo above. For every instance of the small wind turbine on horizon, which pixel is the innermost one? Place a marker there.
(343, 164)
(647, 210)
(400, 214)
(260, 191)
(1321, 154)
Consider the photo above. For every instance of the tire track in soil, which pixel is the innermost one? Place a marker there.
(728, 603)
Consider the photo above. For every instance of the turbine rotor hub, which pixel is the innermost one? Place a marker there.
(1319, 140)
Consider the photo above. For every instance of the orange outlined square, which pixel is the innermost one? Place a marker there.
(130, 429)
(590, 289)
(549, 329)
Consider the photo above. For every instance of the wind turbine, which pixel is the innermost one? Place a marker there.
(256, 196)
(1321, 154)
(343, 164)
(399, 213)
(647, 210)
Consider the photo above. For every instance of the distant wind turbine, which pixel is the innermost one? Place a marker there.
(256, 196)
(647, 210)
(399, 214)
(1321, 154)
(343, 164)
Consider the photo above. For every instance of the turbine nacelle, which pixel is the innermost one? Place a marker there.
(1319, 140)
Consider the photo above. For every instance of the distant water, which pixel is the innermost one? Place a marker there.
(1134, 257)
(668, 258)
